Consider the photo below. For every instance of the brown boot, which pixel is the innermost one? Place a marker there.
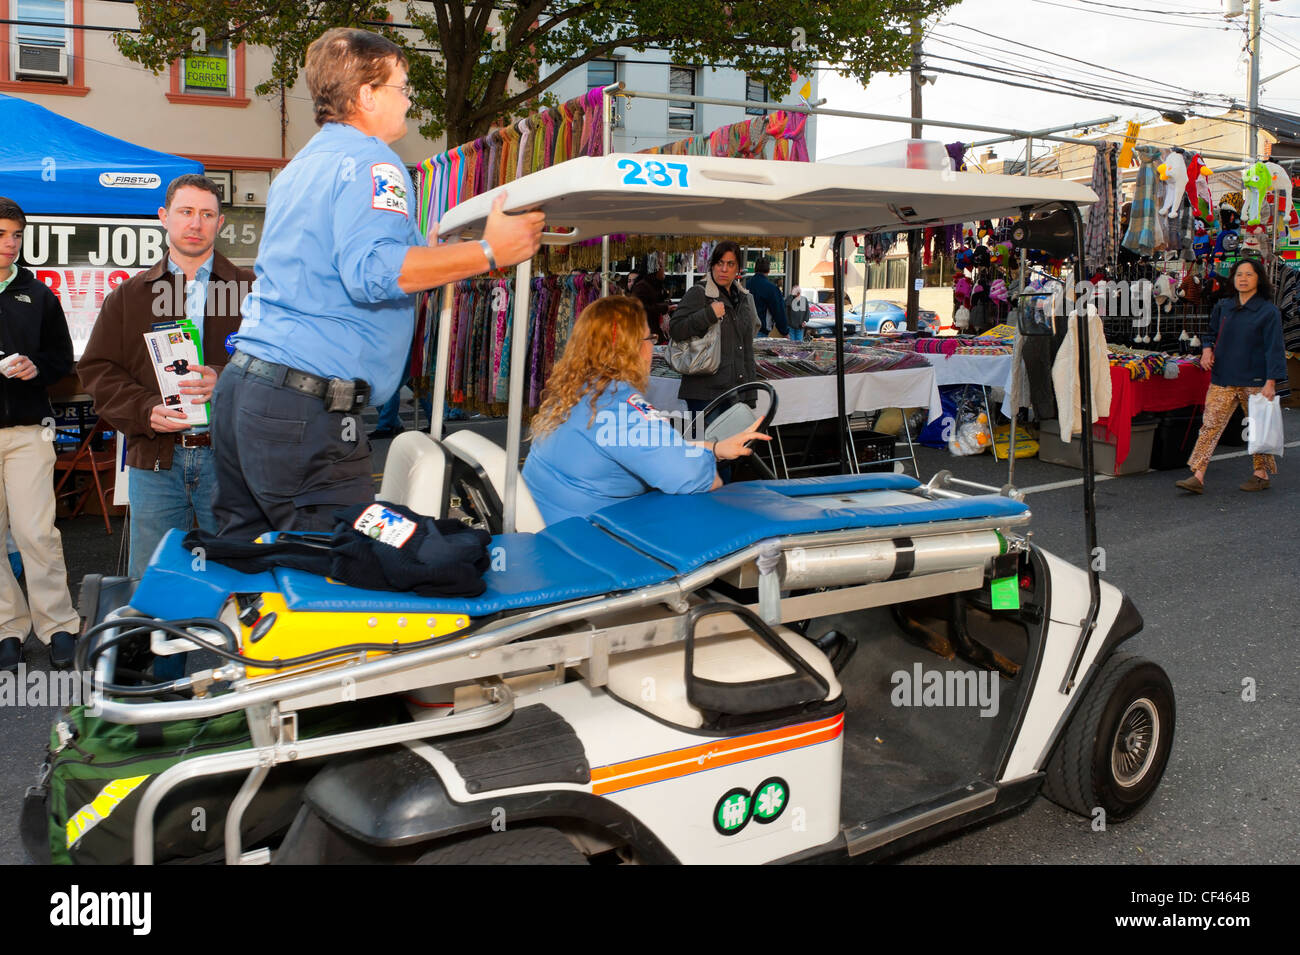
(1256, 483)
(1192, 484)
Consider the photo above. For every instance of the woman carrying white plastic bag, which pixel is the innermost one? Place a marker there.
(1244, 354)
(1264, 426)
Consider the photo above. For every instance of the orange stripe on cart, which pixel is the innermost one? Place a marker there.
(723, 752)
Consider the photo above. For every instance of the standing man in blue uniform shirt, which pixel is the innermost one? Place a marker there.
(332, 313)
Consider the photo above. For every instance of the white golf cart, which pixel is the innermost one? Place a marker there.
(823, 669)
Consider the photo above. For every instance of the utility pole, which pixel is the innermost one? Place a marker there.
(1252, 147)
(914, 236)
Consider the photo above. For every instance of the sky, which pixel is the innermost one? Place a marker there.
(1181, 43)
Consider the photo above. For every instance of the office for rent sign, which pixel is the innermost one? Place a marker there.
(207, 73)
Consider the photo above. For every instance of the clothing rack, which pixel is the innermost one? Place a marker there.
(479, 360)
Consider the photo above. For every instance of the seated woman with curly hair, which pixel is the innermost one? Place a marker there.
(613, 446)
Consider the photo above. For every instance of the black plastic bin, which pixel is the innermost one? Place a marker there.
(1175, 437)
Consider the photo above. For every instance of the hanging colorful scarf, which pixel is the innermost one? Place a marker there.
(788, 131)
(524, 154)
(1141, 236)
(1103, 216)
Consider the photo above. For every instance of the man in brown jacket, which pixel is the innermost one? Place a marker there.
(172, 474)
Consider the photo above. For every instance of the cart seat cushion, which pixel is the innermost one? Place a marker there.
(687, 531)
(725, 658)
(179, 584)
(566, 561)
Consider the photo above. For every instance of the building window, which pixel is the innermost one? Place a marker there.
(210, 73)
(897, 273)
(214, 77)
(755, 92)
(601, 73)
(681, 115)
(42, 48)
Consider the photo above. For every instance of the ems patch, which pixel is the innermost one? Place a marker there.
(388, 527)
(388, 189)
(646, 408)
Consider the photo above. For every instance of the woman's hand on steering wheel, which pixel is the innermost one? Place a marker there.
(736, 446)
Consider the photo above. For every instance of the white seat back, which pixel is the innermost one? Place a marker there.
(724, 658)
(414, 473)
(491, 457)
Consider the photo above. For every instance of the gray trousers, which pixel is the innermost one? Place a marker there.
(284, 463)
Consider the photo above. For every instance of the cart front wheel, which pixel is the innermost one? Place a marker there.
(1113, 753)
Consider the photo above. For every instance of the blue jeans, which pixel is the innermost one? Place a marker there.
(389, 417)
(161, 500)
(796, 334)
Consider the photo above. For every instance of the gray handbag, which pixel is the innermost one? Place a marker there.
(697, 356)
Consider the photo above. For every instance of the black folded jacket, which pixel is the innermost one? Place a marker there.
(376, 546)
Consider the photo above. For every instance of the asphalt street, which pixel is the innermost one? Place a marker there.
(1217, 580)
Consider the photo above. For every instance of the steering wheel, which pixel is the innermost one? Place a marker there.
(730, 397)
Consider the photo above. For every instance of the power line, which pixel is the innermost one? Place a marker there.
(1050, 82)
(1062, 56)
(999, 55)
(1118, 16)
(1068, 87)
(1167, 10)
(1079, 95)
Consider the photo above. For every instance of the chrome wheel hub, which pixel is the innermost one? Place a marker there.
(1137, 737)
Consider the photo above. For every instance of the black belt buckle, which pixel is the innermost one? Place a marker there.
(346, 394)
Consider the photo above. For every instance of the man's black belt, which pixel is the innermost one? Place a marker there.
(339, 394)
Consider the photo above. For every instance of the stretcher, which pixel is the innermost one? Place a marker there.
(781, 670)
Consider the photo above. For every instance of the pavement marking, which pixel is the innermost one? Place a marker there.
(1059, 485)
(1077, 482)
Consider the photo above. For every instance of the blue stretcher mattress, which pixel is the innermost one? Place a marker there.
(633, 544)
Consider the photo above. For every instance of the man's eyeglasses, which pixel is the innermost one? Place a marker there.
(406, 88)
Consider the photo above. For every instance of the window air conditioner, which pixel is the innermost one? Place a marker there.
(40, 62)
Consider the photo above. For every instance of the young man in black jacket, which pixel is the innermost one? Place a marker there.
(37, 351)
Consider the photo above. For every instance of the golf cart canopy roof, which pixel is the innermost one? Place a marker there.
(699, 195)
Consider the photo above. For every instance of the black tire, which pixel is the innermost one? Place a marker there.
(1115, 748)
(887, 326)
(531, 846)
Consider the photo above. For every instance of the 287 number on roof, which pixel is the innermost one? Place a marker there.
(652, 173)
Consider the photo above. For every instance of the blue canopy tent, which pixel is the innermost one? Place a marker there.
(50, 165)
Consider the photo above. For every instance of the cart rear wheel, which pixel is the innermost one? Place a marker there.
(1113, 753)
(531, 846)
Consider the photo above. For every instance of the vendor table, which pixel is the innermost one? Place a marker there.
(993, 371)
(1128, 398)
(987, 371)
